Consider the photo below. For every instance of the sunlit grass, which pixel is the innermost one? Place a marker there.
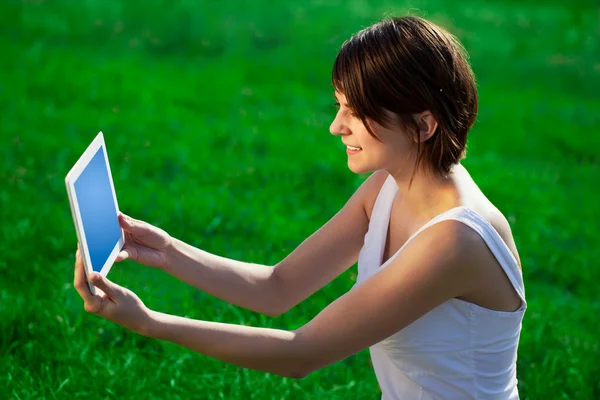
(216, 121)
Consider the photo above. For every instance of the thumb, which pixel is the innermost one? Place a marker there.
(130, 225)
(111, 290)
(123, 255)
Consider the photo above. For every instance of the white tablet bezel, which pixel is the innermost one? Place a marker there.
(70, 179)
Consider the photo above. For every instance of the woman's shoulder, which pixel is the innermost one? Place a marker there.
(371, 188)
(482, 206)
(499, 222)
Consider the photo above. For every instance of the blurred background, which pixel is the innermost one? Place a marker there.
(216, 116)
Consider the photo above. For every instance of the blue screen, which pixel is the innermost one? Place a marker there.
(98, 211)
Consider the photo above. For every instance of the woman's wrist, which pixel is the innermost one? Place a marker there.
(150, 327)
(170, 255)
(179, 257)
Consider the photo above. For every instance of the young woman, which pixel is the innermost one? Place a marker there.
(439, 297)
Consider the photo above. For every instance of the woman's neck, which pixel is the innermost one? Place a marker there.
(427, 194)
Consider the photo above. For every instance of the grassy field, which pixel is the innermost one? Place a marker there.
(216, 120)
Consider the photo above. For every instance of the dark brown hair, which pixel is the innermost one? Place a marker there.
(408, 65)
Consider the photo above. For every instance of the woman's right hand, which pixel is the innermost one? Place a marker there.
(144, 243)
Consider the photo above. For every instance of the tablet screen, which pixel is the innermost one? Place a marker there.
(97, 210)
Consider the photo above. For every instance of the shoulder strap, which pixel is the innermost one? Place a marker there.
(380, 215)
(492, 239)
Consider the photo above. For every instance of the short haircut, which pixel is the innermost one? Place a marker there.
(408, 65)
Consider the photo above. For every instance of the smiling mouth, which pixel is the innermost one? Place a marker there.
(352, 148)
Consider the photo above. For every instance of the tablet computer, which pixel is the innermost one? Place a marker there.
(95, 210)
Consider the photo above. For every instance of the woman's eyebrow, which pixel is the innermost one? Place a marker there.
(338, 102)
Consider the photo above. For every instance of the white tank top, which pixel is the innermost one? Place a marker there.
(458, 350)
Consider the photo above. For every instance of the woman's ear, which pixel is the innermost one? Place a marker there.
(427, 124)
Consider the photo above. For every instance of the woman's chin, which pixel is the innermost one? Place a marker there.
(359, 169)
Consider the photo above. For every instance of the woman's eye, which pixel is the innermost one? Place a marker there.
(350, 111)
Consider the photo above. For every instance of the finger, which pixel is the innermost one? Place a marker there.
(126, 222)
(134, 227)
(112, 290)
(123, 255)
(129, 250)
(80, 282)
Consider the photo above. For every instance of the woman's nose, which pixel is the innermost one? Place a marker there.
(337, 127)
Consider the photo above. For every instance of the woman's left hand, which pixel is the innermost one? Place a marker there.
(117, 304)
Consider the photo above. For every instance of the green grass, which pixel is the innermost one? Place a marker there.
(216, 120)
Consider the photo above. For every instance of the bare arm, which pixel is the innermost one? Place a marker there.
(416, 281)
(269, 350)
(329, 251)
(324, 255)
(244, 284)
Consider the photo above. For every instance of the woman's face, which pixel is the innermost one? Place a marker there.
(365, 153)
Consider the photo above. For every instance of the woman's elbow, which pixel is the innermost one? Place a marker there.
(304, 363)
(274, 310)
(277, 305)
(278, 299)
(298, 372)
(298, 375)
